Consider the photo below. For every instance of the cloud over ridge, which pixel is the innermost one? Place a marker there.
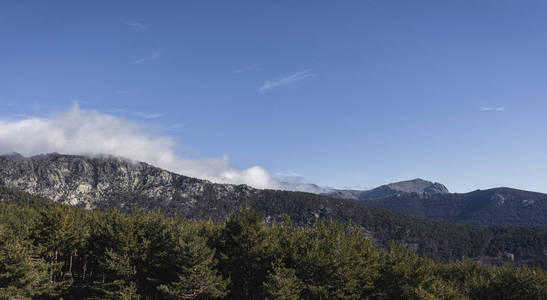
(83, 132)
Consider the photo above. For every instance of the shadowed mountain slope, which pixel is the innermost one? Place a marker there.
(498, 206)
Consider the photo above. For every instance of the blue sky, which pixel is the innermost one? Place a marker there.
(342, 93)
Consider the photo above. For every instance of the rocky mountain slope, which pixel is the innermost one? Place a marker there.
(106, 182)
(417, 186)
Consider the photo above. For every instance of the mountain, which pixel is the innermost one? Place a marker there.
(498, 206)
(110, 182)
(98, 182)
(417, 186)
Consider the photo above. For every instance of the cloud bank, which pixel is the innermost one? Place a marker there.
(83, 132)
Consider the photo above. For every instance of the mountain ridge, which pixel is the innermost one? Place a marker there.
(501, 205)
(109, 182)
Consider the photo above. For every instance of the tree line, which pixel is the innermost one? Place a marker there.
(53, 251)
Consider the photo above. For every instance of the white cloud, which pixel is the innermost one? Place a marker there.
(286, 80)
(85, 132)
(136, 25)
(154, 56)
(490, 108)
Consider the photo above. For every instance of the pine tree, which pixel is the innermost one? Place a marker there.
(135, 249)
(282, 283)
(245, 253)
(511, 283)
(124, 286)
(357, 261)
(194, 260)
(59, 232)
(406, 275)
(20, 275)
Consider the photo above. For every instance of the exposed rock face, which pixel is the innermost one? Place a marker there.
(97, 182)
(417, 186)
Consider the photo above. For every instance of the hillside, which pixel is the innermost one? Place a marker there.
(498, 206)
(108, 182)
(58, 251)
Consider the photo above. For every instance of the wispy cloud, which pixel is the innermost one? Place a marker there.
(136, 25)
(288, 174)
(149, 115)
(154, 56)
(493, 108)
(268, 85)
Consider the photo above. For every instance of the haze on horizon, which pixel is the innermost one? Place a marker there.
(341, 94)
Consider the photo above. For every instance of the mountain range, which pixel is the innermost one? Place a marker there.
(107, 182)
(497, 206)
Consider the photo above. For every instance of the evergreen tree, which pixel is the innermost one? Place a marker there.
(21, 277)
(406, 275)
(245, 253)
(148, 256)
(59, 232)
(510, 283)
(195, 262)
(133, 250)
(357, 261)
(124, 273)
(282, 283)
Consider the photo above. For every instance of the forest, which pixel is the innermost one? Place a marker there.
(54, 251)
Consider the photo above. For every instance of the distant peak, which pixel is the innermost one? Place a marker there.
(411, 181)
(418, 185)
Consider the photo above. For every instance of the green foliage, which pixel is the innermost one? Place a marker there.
(405, 275)
(439, 239)
(335, 262)
(244, 253)
(52, 250)
(505, 282)
(20, 276)
(195, 262)
(282, 283)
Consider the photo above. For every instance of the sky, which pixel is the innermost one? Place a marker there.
(345, 94)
